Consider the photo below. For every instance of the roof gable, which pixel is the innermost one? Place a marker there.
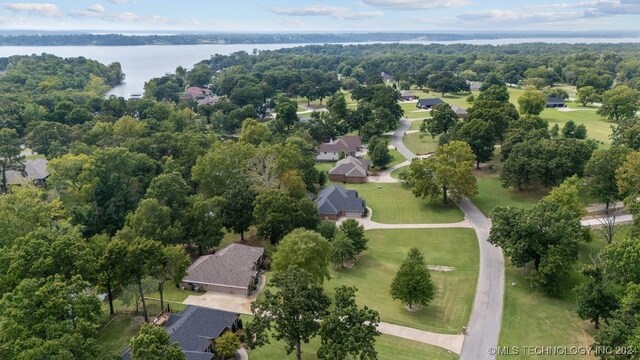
(336, 199)
(230, 266)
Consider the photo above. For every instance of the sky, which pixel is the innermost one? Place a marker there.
(322, 15)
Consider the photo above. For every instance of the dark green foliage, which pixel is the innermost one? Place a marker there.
(349, 331)
(595, 299)
(152, 343)
(412, 284)
(290, 314)
(277, 214)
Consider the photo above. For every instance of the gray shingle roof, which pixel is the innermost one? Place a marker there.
(230, 266)
(555, 100)
(345, 143)
(351, 166)
(336, 199)
(35, 169)
(430, 102)
(459, 111)
(194, 328)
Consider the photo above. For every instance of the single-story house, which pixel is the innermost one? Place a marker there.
(209, 100)
(232, 270)
(35, 172)
(429, 103)
(408, 95)
(555, 102)
(195, 330)
(196, 93)
(386, 77)
(336, 201)
(474, 85)
(346, 145)
(462, 113)
(350, 170)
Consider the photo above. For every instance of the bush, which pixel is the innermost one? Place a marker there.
(227, 345)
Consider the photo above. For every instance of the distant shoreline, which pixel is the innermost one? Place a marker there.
(8, 38)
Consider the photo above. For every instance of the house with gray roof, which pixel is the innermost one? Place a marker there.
(231, 270)
(336, 201)
(429, 103)
(35, 172)
(461, 112)
(350, 170)
(195, 330)
(332, 150)
(408, 95)
(555, 102)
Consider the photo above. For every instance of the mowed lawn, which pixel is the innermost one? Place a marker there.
(396, 204)
(420, 144)
(491, 194)
(114, 337)
(373, 273)
(532, 318)
(388, 347)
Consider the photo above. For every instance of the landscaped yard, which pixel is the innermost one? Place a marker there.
(373, 273)
(396, 158)
(420, 145)
(114, 337)
(389, 348)
(395, 204)
(531, 318)
(491, 194)
(397, 172)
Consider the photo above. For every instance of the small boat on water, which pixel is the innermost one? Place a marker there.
(135, 96)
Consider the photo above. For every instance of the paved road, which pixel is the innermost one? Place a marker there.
(483, 330)
(450, 342)
(598, 221)
(396, 139)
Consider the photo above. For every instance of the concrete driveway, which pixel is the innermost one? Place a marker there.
(227, 302)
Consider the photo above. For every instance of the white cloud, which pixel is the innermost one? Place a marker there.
(416, 4)
(97, 8)
(120, 2)
(336, 12)
(47, 10)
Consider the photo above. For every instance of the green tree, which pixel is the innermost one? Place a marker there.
(292, 312)
(171, 266)
(170, 190)
(327, 229)
(142, 255)
(595, 299)
(255, 133)
(10, 158)
(153, 221)
(224, 165)
(342, 250)
(349, 332)
(96, 198)
(480, 137)
(227, 345)
(532, 102)
(238, 206)
(587, 94)
(49, 318)
(442, 119)
(601, 173)
(204, 222)
(277, 214)
(152, 343)
(412, 283)
(548, 234)
(495, 93)
(573, 131)
(379, 152)
(619, 103)
(447, 173)
(27, 209)
(355, 233)
(306, 250)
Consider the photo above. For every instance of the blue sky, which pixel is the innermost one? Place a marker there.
(322, 15)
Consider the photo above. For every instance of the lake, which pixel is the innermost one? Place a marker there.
(141, 63)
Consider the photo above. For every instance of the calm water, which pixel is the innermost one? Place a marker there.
(141, 63)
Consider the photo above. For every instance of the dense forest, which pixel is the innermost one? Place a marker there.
(138, 184)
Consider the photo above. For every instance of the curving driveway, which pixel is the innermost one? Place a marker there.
(483, 330)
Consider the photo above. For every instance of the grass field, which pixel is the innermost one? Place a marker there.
(395, 204)
(397, 172)
(491, 194)
(553, 321)
(396, 158)
(388, 347)
(420, 145)
(373, 274)
(114, 337)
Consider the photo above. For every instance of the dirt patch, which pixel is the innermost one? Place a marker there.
(572, 109)
(414, 308)
(440, 268)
